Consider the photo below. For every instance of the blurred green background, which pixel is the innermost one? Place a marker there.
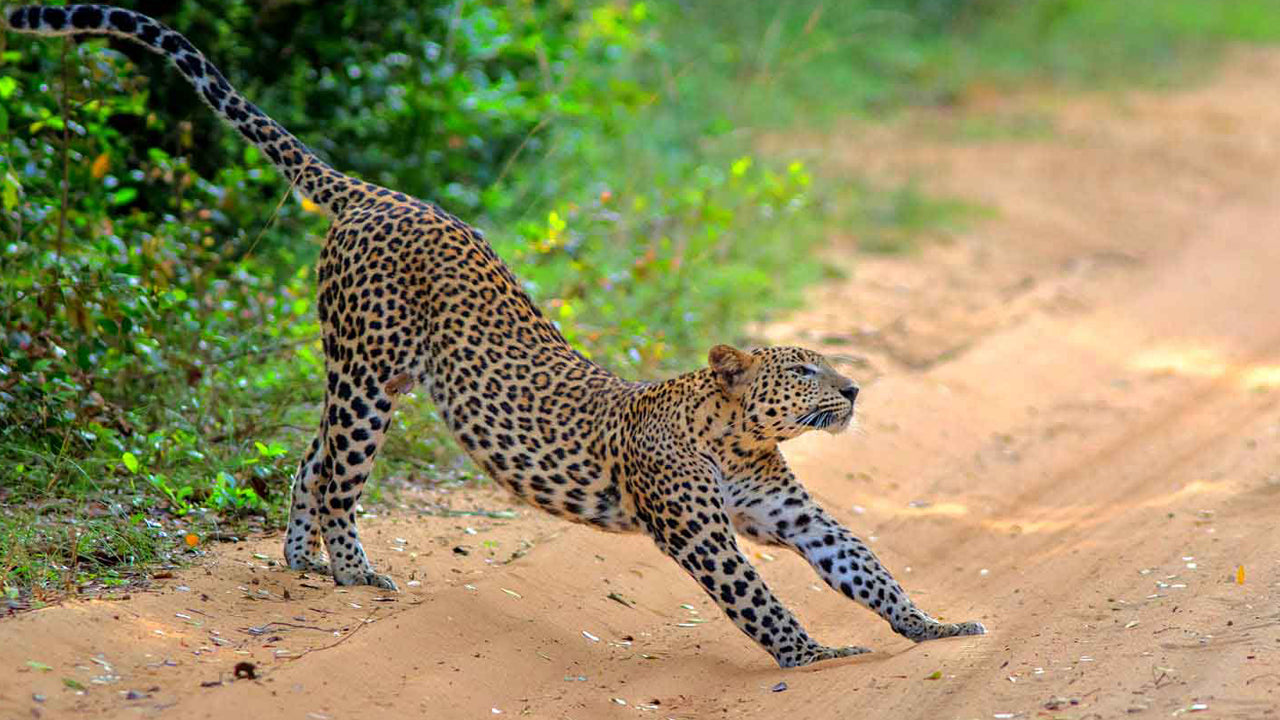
(159, 360)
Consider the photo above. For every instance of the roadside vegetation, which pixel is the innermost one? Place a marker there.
(159, 367)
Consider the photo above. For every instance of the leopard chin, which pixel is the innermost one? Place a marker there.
(842, 423)
(832, 421)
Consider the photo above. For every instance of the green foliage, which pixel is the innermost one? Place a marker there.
(48, 550)
(1091, 42)
(894, 221)
(643, 275)
(753, 66)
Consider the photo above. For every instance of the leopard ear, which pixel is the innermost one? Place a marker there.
(730, 366)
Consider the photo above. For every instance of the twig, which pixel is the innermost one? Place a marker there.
(66, 164)
(264, 629)
(236, 356)
(262, 351)
(366, 621)
(454, 15)
(495, 514)
(283, 199)
(511, 159)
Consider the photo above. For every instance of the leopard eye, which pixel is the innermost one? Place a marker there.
(804, 371)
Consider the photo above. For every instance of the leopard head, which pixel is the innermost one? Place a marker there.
(783, 392)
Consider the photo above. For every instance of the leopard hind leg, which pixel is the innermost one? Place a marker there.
(304, 543)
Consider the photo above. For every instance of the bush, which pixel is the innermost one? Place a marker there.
(158, 312)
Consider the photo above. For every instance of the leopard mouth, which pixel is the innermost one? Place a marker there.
(826, 419)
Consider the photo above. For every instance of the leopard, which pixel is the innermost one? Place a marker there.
(409, 297)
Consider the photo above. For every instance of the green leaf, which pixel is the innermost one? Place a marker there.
(73, 684)
(124, 196)
(130, 461)
(84, 356)
(7, 87)
(9, 187)
(38, 666)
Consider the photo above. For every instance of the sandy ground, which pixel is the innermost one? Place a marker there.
(1070, 430)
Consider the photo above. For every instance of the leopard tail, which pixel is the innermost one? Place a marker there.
(313, 178)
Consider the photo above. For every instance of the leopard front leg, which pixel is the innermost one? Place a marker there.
(695, 531)
(768, 504)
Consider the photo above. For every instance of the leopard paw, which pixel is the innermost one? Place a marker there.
(318, 564)
(365, 577)
(934, 630)
(817, 653)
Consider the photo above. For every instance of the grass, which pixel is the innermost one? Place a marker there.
(1094, 43)
(643, 233)
(58, 550)
(895, 221)
(814, 63)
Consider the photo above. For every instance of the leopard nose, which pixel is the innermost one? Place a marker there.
(850, 393)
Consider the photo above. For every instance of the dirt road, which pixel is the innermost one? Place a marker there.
(1070, 430)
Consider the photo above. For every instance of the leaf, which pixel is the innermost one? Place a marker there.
(101, 165)
(935, 675)
(130, 461)
(124, 196)
(108, 326)
(9, 191)
(73, 684)
(7, 87)
(38, 666)
(555, 223)
(84, 356)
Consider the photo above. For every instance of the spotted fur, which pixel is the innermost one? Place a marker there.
(409, 295)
